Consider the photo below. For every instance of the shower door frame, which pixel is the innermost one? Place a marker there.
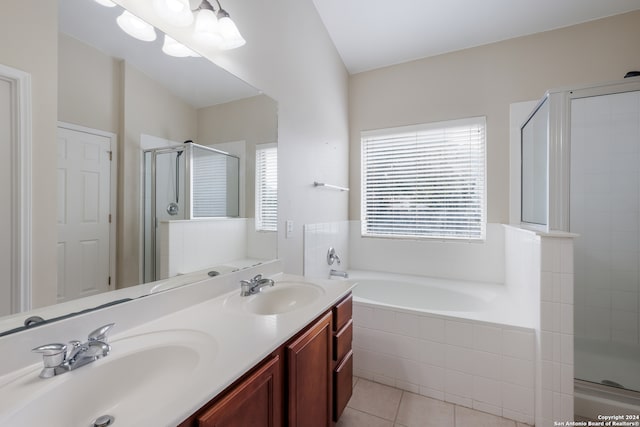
(188, 149)
(153, 214)
(611, 88)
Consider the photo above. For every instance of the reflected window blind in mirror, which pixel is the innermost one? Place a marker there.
(266, 187)
(209, 195)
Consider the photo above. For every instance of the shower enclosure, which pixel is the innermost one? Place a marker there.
(182, 183)
(581, 173)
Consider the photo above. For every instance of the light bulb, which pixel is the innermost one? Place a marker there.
(206, 28)
(175, 12)
(231, 37)
(106, 3)
(136, 27)
(174, 48)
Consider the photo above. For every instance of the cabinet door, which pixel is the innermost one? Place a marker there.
(254, 402)
(309, 376)
(342, 385)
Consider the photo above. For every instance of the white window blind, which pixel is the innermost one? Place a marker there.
(266, 187)
(425, 181)
(209, 193)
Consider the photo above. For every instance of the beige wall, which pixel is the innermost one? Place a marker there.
(290, 57)
(483, 81)
(102, 92)
(89, 86)
(253, 120)
(151, 109)
(28, 34)
(105, 93)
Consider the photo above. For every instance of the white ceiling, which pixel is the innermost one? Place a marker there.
(371, 34)
(197, 81)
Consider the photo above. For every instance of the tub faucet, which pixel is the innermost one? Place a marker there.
(255, 285)
(60, 358)
(332, 256)
(339, 273)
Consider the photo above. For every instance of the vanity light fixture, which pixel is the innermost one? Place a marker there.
(136, 27)
(175, 12)
(215, 28)
(206, 29)
(212, 27)
(106, 3)
(231, 37)
(174, 48)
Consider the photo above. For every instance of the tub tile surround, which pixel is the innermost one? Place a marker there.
(542, 265)
(473, 261)
(186, 245)
(484, 366)
(522, 372)
(318, 238)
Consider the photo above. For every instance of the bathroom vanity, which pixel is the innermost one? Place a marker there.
(198, 355)
(305, 382)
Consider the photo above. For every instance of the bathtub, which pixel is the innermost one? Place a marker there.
(463, 342)
(480, 301)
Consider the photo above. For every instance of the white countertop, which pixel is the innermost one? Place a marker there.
(241, 340)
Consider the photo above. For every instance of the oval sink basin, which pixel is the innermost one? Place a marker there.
(283, 297)
(133, 376)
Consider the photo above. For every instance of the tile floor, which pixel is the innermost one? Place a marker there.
(377, 405)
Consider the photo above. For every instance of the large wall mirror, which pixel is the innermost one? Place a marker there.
(120, 99)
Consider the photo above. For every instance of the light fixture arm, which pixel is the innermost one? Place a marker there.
(221, 12)
(205, 5)
(227, 29)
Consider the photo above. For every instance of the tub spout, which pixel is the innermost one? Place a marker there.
(339, 273)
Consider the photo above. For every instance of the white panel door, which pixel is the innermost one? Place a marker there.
(5, 194)
(84, 179)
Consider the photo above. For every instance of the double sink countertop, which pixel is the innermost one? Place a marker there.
(162, 371)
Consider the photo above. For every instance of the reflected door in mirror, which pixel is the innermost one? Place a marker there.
(84, 189)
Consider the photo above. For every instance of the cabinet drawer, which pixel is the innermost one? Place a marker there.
(342, 385)
(342, 341)
(342, 313)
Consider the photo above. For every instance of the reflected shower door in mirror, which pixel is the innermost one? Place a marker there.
(110, 82)
(183, 183)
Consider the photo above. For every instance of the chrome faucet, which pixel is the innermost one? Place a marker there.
(332, 256)
(60, 358)
(255, 285)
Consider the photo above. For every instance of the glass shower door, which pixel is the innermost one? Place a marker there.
(165, 200)
(605, 212)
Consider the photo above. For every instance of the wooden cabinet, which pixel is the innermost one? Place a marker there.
(342, 355)
(309, 376)
(306, 382)
(255, 400)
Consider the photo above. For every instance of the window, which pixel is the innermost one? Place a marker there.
(209, 181)
(425, 181)
(266, 187)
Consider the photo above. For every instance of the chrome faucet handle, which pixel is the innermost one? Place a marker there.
(257, 278)
(73, 347)
(332, 256)
(53, 355)
(100, 334)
